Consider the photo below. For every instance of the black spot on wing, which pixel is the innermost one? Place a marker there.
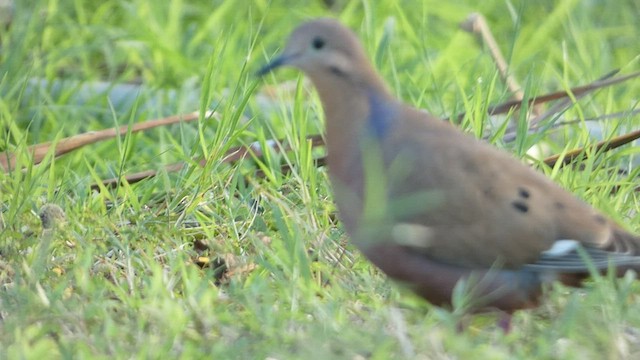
(520, 206)
(559, 205)
(600, 219)
(524, 193)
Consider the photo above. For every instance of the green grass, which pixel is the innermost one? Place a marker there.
(120, 277)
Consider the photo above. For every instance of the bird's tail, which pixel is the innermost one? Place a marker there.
(624, 242)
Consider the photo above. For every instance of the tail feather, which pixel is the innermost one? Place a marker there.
(624, 242)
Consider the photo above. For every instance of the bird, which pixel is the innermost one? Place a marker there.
(435, 208)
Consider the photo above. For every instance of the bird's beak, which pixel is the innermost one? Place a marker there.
(282, 60)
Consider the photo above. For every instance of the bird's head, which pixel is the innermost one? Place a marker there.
(322, 47)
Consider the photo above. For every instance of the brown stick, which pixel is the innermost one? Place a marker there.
(576, 91)
(605, 145)
(477, 25)
(232, 155)
(68, 144)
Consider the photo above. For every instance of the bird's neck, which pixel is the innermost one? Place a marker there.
(348, 106)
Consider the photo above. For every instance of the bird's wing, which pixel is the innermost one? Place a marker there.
(490, 208)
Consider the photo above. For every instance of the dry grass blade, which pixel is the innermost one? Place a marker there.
(234, 154)
(605, 117)
(68, 144)
(577, 91)
(477, 25)
(603, 146)
(605, 81)
(557, 108)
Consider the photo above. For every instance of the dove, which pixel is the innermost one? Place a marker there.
(436, 209)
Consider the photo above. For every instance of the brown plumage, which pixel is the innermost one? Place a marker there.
(431, 206)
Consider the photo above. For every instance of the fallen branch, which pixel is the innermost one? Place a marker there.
(602, 146)
(68, 144)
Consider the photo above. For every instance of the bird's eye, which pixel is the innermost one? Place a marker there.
(317, 43)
